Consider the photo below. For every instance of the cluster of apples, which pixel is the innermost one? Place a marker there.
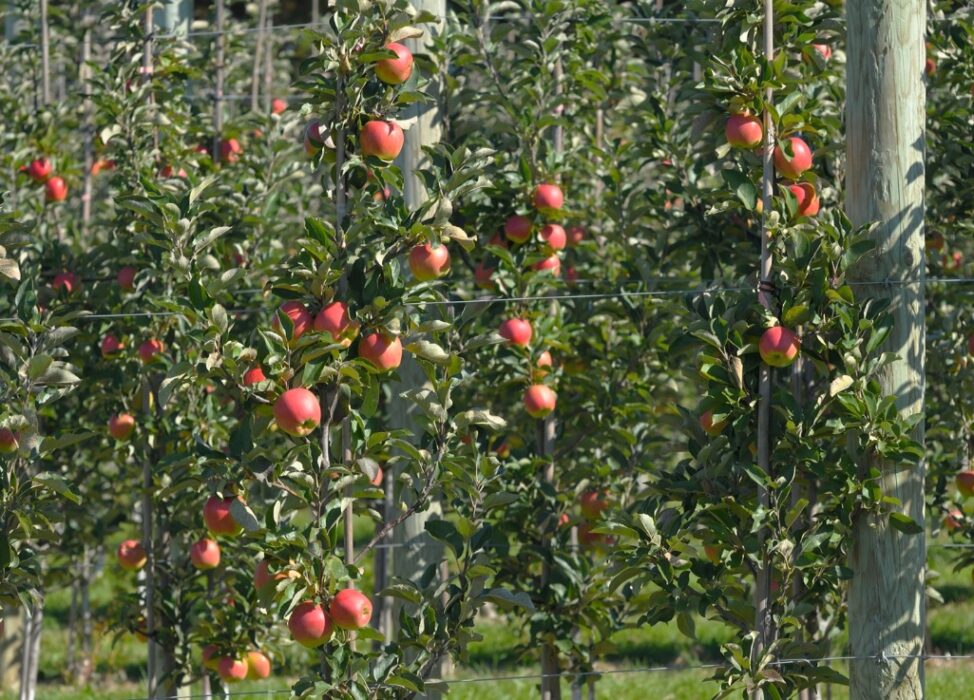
(252, 666)
(792, 158)
(41, 170)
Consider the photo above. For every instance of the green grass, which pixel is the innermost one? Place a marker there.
(119, 667)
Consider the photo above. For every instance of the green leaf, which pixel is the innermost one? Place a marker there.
(244, 516)
(905, 524)
(429, 351)
(56, 483)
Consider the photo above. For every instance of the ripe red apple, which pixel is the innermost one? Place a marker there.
(232, 670)
(258, 666)
(309, 625)
(230, 150)
(482, 276)
(930, 67)
(8, 441)
(300, 319)
(253, 376)
(350, 609)
(554, 237)
(712, 552)
(149, 349)
(381, 139)
(965, 483)
(40, 169)
(575, 235)
(592, 503)
(587, 538)
(954, 520)
(395, 71)
(211, 658)
(798, 162)
(131, 555)
(550, 264)
(548, 196)
(217, 516)
(805, 195)
(68, 281)
(935, 241)
(313, 140)
(334, 320)
(428, 263)
(121, 426)
(205, 554)
(278, 105)
(377, 479)
(126, 278)
(744, 131)
(707, 423)
(100, 165)
(517, 228)
(779, 346)
(539, 400)
(571, 275)
(543, 364)
(56, 189)
(110, 346)
(516, 331)
(824, 50)
(297, 412)
(384, 351)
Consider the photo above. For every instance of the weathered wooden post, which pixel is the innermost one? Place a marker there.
(885, 111)
(415, 549)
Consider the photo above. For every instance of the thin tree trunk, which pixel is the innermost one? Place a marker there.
(258, 55)
(45, 56)
(218, 84)
(885, 115)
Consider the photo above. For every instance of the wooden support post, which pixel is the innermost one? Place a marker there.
(258, 55)
(414, 550)
(763, 623)
(269, 61)
(89, 125)
(885, 115)
(550, 682)
(174, 16)
(45, 56)
(11, 643)
(218, 83)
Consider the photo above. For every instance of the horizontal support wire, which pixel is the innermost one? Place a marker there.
(618, 294)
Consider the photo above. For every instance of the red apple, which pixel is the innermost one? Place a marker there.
(965, 483)
(232, 670)
(564, 519)
(278, 105)
(798, 162)
(297, 412)
(40, 169)
(539, 400)
(381, 139)
(309, 625)
(482, 276)
(575, 235)
(517, 228)
(56, 189)
(808, 203)
(126, 278)
(550, 264)
(230, 150)
(253, 376)
(384, 351)
(587, 538)
(313, 140)
(258, 666)
(516, 331)
(935, 241)
(68, 281)
(824, 50)
(428, 263)
(707, 423)
(954, 520)
(334, 320)
(350, 609)
(8, 441)
(205, 554)
(592, 503)
(300, 319)
(121, 426)
(100, 165)
(571, 275)
(779, 346)
(168, 171)
(131, 555)
(217, 516)
(554, 237)
(744, 131)
(211, 659)
(264, 580)
(377, 479)
(543, 364)
(548, 196)
(149, 349)
(930, 67)
(395, 71)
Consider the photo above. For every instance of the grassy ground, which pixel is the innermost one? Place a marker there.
(119, 666)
